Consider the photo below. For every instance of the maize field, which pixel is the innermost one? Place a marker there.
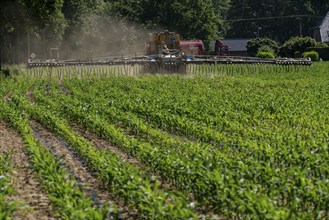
(225, 142)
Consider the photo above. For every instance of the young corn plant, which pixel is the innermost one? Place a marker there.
(64, 190)
(122, 178)
(6, 207)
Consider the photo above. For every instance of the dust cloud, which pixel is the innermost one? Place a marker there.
(96, 37)
(104, 37)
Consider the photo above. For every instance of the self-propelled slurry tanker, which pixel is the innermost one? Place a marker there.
(166, 53)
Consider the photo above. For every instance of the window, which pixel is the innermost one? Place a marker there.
(223, 49)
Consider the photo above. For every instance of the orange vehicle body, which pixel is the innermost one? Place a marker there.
(159, 42)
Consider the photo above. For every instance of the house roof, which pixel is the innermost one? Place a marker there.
(236, 44)
(319, 24)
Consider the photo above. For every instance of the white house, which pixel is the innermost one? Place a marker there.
(321, 31)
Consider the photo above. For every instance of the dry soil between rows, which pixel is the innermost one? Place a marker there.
(91, 186)
(33, 200)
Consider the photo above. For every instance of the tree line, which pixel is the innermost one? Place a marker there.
(89, 28)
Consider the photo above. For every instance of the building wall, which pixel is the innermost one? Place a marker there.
(324, 29)
(317, 35)
(325, 33)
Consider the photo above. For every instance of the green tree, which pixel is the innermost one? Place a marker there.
(12, 20)
(221, 8)
(254, 45)
(192, 19)
(196, 19)
(280, 28)
(125, 10)
(81, 35)
(296, 44)
(48, 16)
(30, 25)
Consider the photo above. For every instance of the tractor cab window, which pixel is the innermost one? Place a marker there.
(223, 49)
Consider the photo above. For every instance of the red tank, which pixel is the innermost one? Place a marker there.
(192, 47)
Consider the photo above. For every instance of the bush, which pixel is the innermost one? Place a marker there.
(311, 54)
(254, 45)
(322, 51)
(297, 54)
(265, 48)
(321, 45)
(294, 44)
(265, 55)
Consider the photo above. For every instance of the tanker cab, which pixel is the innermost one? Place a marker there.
(221, 48)
(222, 51)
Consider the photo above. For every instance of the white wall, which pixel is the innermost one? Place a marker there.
(324, 31)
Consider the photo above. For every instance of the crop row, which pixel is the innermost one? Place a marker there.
(291, 159)
(122, 178)
(6, 207)
(213, 118)
(184, 173)
(245, 142)
(64, 190)
(206, 184)
(246, 147)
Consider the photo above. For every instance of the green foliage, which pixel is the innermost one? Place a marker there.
(120, 177)
(266, 51)
(254, 45)
(192, 19)
(64, 190)
(269, 55)
(81, 37)
(246, 14)
(311, 54)
(221, 9)
(322, 51)
(321, 45)
(47, 15)
(265, 48)
(294, 44)
(6, 207)
(83, 29)
(297, 54)
(246, 158)
(125, 10)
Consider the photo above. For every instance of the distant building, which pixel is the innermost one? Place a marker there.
(237, 47)
(321, 31)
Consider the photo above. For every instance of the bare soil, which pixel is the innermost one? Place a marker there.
(33, 200)
(91, 185)
(124, 156)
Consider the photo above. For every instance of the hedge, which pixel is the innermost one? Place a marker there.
(294, 44)
(262, 54)
(254, 44)
(323, 52)
(311, 54)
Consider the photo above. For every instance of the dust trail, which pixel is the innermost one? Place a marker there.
(105, 36)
